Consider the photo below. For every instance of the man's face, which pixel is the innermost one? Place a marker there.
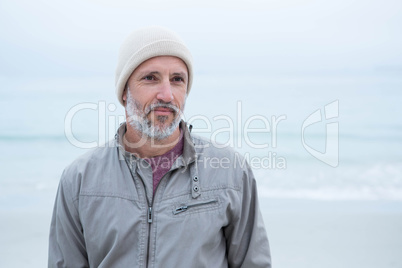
(155, 96)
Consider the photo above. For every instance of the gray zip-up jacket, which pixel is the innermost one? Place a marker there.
(204, 212)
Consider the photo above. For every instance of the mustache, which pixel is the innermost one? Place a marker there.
(170, 106)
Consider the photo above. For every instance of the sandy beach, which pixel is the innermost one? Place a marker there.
(302, 233)
(326, 234)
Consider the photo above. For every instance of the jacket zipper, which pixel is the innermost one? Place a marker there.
(184, 208)
(149, 212)
(149, 230)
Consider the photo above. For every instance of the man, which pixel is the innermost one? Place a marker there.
(150, 198)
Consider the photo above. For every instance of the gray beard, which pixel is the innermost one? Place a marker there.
(140, 122)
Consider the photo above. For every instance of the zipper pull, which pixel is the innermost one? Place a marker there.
(150, 215)
(180, 209)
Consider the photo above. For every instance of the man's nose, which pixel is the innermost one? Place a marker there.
(165, 92)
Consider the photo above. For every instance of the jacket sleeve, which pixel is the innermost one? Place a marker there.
(66, 240)
(247, 241)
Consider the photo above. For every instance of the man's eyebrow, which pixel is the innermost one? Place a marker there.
(149, 72)
(183, 74)
(180, 73)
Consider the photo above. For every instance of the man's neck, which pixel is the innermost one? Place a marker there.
(146, 147)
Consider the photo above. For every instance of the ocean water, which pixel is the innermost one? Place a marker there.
(47, 122)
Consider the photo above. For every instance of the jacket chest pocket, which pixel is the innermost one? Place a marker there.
(195, 206)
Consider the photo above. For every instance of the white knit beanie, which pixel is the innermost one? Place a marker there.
(147, 43)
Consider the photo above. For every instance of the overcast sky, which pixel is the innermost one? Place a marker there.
(82, 37)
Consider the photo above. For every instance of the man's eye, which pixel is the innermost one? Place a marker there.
(178, 79)
(149, 77)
